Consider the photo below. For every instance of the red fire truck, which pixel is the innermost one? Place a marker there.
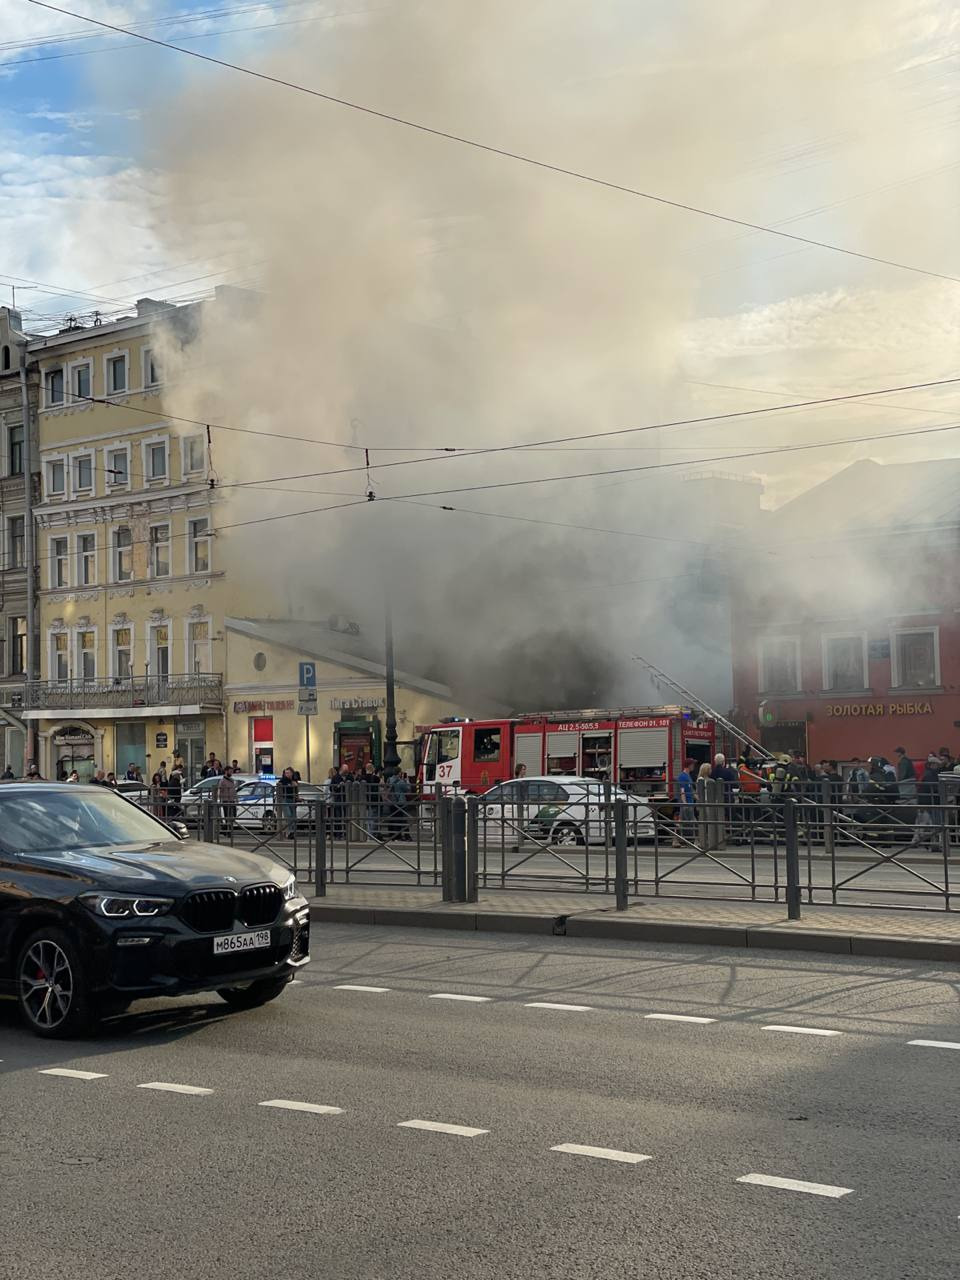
(641, 748)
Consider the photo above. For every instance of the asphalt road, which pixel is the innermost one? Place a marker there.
(104, 1177)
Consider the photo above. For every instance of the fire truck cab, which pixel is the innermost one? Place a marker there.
(640, 748)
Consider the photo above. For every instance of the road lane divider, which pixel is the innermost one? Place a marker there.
(434, 1126)
(165, 1087)
(677, 1017)
(570, 1008)
(69, 1074)
(350, 986)
(601, 1153)
(804, 1031)
(450, 995)
(794, 1184)
(935, 1044)
(288, 1104)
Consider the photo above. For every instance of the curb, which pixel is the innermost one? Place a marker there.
(624, 929)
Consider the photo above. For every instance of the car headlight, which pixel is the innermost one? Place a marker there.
(290, 889)
(118, 906)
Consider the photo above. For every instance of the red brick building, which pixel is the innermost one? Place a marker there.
(846, 620)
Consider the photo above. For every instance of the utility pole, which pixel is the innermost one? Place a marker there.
(391, 757)
(29, 555)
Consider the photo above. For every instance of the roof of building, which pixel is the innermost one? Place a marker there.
(328, 643)
(872, 496)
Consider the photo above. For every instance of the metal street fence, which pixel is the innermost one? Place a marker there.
(792, 849)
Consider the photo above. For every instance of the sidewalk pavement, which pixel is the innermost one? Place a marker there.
(897, 934)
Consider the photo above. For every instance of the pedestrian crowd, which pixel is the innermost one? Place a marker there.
(387, 802)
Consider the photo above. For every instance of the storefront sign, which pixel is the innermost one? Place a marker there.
(357, 704)
(161, 739)
(189, 728)
(846, 710)
(72, 738)
(256, 708)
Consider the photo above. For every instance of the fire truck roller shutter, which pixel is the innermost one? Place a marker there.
(676, 752)
(528, 750)
(643, 748)
(563, 747)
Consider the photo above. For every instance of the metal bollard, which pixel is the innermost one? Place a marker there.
(473, 847)
(620, 856)
(792, 849)
(209, 809)
(458, 849)
(320, 866)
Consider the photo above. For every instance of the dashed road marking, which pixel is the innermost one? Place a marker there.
(793, 1184)
(936, 1044)
(287, 1104)
(804, 1031)
(173, 1088)
(677, 1017)
(70, 1074)
(434, 1126)
(449, 995)
(571, 1008)
(601, 1153)
(350, 986)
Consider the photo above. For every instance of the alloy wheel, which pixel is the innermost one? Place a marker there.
(46, 984)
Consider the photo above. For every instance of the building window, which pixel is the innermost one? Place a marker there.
(118, 467)
(116, 375)
(59, 657)
(844, 662)
(15, 542)
(779, 664)
(193, 454)
(122, 653)
(83, 472)
(198, 646)
(156, 459)
(80, 381)
(15, 450)
(59, 566)
(53, 387)
(151, 369)
(122, 554)
(87, 655)
(86, 559)
(916, 659)
(6, 359)
(56, 478)
(18, 646)
(161, 650)
(199, 545)
(159, 550)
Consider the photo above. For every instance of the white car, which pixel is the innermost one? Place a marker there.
(257, 806)
(191, 801)
(560, 810)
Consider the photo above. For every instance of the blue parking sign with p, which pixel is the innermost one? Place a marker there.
(308, 675)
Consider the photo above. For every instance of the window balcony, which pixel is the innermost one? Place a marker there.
(198, 691)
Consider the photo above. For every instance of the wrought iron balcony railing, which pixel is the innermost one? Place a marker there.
(196, 689)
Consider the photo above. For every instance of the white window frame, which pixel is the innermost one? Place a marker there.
(895, 681)
(145, 355)
(72, 367)
(145, 446)
(152, 629)
(8, 442)
(117, 354)
(190, 540)
(110, 480)
(8, 559)
(190, 622)
(825, 638)
(62, 370)
(78, 652)
(54, 584)
(48, 460)
(78, 558)
(195, 471)
(85, 490)
(112, 648)
(762, 681)
(52, 633)
(115, 554)
(160, 524)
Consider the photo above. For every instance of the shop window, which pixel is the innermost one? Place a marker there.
(486, 745)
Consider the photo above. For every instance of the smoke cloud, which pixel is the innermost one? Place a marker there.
(416, 295)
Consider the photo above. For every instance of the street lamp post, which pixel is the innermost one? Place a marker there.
(391, 757)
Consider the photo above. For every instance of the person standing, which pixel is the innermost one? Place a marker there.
(8, 775)
(398, 789)
(338, 801)
(226, 790)
(132, 771)
(906, 777)
(174, 792)
(73, 776)
(685, 798)
(287, 802)
(371, 799)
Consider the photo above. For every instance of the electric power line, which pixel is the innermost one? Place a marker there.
(503, 152)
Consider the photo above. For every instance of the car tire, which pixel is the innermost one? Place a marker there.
(256, 994)
(565, 834)
(59, 1011)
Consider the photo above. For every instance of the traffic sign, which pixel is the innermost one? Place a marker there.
(308, 675)
(307, 694)
(307, 708)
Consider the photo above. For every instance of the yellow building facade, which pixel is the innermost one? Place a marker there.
(130, 616)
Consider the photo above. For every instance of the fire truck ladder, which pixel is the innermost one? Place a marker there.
(698, 704)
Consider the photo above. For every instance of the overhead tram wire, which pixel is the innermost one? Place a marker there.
(503, 152)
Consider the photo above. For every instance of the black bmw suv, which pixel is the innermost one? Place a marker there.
(102, 904)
